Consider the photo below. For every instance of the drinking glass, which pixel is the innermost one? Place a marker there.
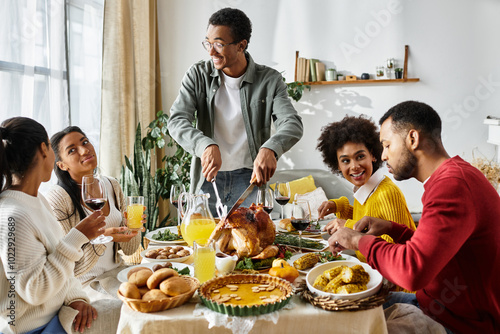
(135, 210)
(94, 197)
(175, 191)
(204, 259)
(265, 198)
(282, 194)
(301, 218)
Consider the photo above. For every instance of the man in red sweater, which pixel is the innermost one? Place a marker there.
(452, 260)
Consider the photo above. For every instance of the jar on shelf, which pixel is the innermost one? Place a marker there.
(379, 72)
(331, 74)
(390, 63)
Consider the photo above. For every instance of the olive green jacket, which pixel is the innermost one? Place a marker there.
(264, 100)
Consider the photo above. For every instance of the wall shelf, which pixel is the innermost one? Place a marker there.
(359, 81)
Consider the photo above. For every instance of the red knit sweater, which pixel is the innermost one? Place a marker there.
(453, 258)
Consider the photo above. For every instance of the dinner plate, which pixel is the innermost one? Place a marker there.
(373, 285)
(323, 242)
(172, 229)
(304, 233)
(122, 275)
(179, 259)
(305, 271)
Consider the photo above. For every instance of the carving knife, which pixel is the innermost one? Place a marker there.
(242, 198)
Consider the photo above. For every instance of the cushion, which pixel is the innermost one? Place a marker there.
(299, 186)
(315, 198)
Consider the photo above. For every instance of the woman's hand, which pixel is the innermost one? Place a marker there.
(120, 234)
(334, 225)
(86, 314)
(93, 225)
(326, 208)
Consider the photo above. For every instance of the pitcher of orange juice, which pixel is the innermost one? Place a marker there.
(197, 221)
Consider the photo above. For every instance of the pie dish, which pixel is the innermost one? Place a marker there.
(245, 295)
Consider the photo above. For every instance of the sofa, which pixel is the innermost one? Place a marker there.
(333, 185)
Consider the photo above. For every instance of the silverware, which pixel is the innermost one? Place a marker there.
(242, 198)
(221, 209)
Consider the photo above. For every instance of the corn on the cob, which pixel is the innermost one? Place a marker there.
(332, 273)
(320, 282)
(334, 284)
(306, 261)
(350, 288)
(362, 277)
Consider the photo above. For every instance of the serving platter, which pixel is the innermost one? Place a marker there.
(373, 285)
(179, 259)
(122, 275)
(172, 229)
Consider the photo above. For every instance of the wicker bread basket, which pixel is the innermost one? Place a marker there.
(148, 306)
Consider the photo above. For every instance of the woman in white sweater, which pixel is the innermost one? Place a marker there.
(76, 157)
(37, 258)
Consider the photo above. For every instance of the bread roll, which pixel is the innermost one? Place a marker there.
(160, 275)
(140, 278)
(129, 290)
(136, 269)
(174, 286)
(286, 224)
(154, 294)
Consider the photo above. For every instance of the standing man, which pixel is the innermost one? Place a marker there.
(453, 258)
(233, 101)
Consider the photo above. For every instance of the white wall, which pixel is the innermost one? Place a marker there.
(454, 50)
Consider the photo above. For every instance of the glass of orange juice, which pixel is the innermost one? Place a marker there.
(135, 210)
(204, 259)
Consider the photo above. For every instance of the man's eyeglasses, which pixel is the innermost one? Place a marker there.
(217, 46)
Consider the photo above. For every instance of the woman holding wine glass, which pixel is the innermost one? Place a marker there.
(76, 158)
(282, 194)
(41, 271)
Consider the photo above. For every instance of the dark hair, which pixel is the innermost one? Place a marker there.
(415, 115)
(20, 138)
(64, 180)
(352, 129)
(236, 20)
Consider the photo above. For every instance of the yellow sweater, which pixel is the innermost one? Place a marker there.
(386, 202)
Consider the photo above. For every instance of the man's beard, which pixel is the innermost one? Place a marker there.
(406, 166)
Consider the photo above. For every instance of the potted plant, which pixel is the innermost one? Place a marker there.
(139, 178)
(398, 72)
(295, 89)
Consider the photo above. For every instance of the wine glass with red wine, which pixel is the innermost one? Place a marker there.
(301, 218)
(94, 197)
(282, 194)
(265, 198)
(175, 192)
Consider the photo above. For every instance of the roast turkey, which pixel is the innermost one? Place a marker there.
(248, 232)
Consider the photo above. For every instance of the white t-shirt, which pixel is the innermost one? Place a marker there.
(229, 127)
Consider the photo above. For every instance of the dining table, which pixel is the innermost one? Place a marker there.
(298, 316)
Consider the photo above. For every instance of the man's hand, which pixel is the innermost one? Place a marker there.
(344, 238)
(211, 162)
(334, 225)
(264, 166)
(326, 208)
(375, 226)
(86, 314)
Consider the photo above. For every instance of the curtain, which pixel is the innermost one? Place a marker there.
(33, 75)
(130, 78)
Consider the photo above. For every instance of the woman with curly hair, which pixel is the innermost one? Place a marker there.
(352, 148)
